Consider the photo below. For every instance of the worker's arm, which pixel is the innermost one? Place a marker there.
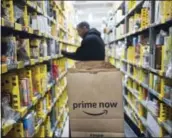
(69, 55)
(82, 53)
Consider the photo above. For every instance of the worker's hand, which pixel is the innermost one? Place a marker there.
(63, 52)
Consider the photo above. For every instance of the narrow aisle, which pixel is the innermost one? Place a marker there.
(128, 131)
(65, 133)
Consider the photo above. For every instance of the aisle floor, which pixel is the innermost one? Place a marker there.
(128, 130)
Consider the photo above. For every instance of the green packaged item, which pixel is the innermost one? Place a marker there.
(157, 83)
(167, 92)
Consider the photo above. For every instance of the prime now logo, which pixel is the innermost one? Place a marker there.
(94, 105)
(86, 105)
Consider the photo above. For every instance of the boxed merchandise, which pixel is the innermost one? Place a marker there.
(153, 124)
(95, 99)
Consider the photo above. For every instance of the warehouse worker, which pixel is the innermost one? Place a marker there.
(92, 46)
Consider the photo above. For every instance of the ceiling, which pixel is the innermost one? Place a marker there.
(92, 11)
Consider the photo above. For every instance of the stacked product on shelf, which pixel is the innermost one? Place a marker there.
(34, 97)
(119, 22)
(146, 64)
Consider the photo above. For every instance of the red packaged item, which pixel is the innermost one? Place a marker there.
(55, 71)
(23, 92)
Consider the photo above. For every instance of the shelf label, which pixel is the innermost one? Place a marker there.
(30, 30)
(2, 21)
(18, 27)
(20, 65)
(40, 59)
(32, 61)
(4, 68)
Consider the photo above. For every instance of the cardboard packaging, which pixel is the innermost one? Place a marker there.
(95, 99)
(100, 125)
(96, 134)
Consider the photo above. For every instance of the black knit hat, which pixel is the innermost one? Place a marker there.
(83, 24)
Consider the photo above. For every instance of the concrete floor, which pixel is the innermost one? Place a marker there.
(128, 130)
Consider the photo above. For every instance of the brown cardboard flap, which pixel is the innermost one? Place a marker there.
(92, 66)
(96, 134)
(97, 125)
(98, 94)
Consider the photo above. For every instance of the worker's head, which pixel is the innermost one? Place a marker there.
(83, 28)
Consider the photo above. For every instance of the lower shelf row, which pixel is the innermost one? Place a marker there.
(143, 116)
(42, 121)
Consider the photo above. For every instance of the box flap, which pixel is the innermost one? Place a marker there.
(92, 66)
(96, 134)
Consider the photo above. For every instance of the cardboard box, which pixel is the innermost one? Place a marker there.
(97, 125)
(95, 98)
(95, 92)
(96, 134)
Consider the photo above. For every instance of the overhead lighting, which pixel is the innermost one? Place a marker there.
(80, 12)
(90, 17)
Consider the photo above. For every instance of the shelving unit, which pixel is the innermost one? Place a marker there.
(34, 86)
(142, 54)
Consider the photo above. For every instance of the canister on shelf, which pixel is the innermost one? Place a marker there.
(23, 92)
(157, 82)
(168, 92)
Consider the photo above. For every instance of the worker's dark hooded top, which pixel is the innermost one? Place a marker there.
(92, 48)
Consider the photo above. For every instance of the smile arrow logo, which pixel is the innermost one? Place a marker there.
(97, 114)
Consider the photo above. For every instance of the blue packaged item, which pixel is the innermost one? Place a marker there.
(29, 125)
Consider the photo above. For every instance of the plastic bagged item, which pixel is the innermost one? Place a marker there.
(157, 82)
(44, 105)
(57, 48)
(153, 106)
(40, 4)
(29, 124)
(8, 114)
(51, 48)
(169, 70)
(146, 79)
(58, 132)
(146, 4)
(8, 50)
(125, 79)
(34, 52)
(158, 15)
(36, 118)
(43, 48)
(34, 22)
(160, 38)
(49, 77)
(5, 13)
(18, 15)
(146, 56)
(119, 49)
(22, 54)
(156, 107)
(167, 92)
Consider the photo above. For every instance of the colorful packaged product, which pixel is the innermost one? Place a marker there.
(29, 125)
(24, 92)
